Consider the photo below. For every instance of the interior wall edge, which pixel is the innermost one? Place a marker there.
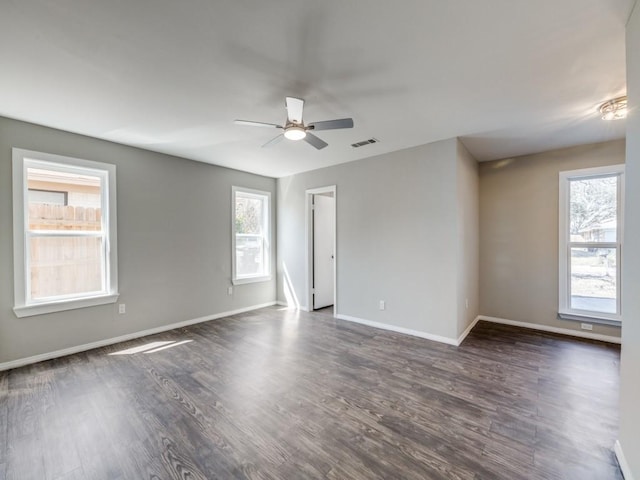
(467, 331)
(622, 461)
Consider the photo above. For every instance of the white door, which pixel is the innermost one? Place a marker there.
(324, 225)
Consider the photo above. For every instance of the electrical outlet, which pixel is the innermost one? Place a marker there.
(122, 308)
(382, 305)
(466, 303)
(229, 290)
(586, 326)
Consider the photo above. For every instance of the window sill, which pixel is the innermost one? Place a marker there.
(591, 318)
(62, 305)
(240, 281)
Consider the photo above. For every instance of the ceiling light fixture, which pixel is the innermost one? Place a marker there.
(295, 132)
(614, 109)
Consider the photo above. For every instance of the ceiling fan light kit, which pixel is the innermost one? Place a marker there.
(615, 109)
(295, 129)
(294, 132)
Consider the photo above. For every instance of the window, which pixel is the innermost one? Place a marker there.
(64, 233)
(590, 243)
(251, 236)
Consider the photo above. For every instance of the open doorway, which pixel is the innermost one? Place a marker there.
(321, 248)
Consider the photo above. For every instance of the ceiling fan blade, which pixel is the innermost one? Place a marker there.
(332, 124)
(274, 140)
(256, 124)
(315, 141)
(294, 109)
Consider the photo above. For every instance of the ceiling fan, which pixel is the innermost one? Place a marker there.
(295, 129)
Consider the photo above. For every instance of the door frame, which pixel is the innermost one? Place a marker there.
(309, 241)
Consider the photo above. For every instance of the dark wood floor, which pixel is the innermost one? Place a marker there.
(276, 394)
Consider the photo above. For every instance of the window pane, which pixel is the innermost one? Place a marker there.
(249, 213)
(249, 255)
(593, 208)
(63, 200)
(50, 197)
(65, 266)
(593, 279)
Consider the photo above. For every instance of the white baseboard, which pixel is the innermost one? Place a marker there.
(123, 338)
(460, 339)
(546, 328)
(622, 461)
(415, 333)
(393, 328)
(464, 334)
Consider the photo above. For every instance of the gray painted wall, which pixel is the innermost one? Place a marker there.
(397, 218)
(468, 238)
(174, 244)
(519, 232)
(630, 364)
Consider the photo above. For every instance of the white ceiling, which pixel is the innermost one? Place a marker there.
(510, 77)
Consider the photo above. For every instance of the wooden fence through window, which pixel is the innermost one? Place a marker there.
(69, 264)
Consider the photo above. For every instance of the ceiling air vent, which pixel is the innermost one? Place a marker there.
(365, 142)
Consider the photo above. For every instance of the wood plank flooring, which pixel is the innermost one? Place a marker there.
(278, 394)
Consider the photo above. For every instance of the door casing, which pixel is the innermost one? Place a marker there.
(309, 242)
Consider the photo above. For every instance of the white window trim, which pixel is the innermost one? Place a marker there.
(564, 310)
(268, 224)
(22, 306)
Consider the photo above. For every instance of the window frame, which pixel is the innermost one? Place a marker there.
(565, 244)
(267, 229)
(24, 306)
